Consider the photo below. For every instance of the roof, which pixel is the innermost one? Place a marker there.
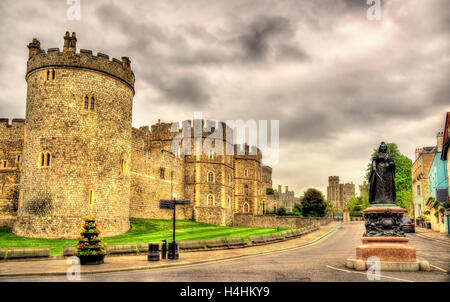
(446, 139)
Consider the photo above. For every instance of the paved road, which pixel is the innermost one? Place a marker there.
(321, 262)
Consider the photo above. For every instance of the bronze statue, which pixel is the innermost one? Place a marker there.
(382, 178)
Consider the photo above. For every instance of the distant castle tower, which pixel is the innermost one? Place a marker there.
(77, 142)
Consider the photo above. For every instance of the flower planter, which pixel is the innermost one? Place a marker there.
(92, 259)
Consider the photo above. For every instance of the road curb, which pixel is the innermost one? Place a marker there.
(179, 265)
(431, 238)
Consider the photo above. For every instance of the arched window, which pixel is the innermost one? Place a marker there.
(246, 189)
(210, 177)
(45, 159)
(86, 102)
(246, 208)
(92, 103)
(53, 74)
(210, 200)
(245, 172)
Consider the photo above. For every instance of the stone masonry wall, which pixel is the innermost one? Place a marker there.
(11, 148)
(274, 221)
(148, 185)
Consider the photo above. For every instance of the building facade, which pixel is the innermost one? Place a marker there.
(77, 154)
(339, 194)
(420, 184)
(280, 198)
(445, 155)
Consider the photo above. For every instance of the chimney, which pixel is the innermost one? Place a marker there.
(440, 140)
(70, 42)
(417, 153)
(287, 189)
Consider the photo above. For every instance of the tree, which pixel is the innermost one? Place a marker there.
(89, 245)
(313, 203)
(357, 204)
(298, 208)
(403, 180)
(281, 211)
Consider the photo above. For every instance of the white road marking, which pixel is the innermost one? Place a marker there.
(353, 272)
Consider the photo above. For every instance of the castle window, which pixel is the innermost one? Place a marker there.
(246, 208)
(211, 153)
(210, 177)
(245, 172)
(123, 166)
(91, 197)
(3, 164)
(246, 189)
(53, 74)
(229, 202)
(45, 159)
(161, 173)
(18, 159)
(89, 103)
(210, 200)
(92, 103)
(48, 75)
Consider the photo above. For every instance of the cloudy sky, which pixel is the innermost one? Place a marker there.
(337, 82)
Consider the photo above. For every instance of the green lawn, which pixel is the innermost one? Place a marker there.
(142, 230)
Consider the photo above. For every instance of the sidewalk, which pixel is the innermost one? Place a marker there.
(430, 234)
(131, 263)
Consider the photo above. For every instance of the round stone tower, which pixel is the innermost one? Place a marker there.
(77, 144)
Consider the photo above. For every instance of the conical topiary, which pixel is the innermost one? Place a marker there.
(90, 248)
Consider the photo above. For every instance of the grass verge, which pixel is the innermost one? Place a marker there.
(142, 230)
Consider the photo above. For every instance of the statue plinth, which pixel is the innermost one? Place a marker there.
(385, 239)
(392, 249)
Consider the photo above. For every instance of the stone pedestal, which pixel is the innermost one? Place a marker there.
(385, 239)
(386, 249)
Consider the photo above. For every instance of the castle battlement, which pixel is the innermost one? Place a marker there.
(85, 59)
(167, 131)
(15, 123)
(245, 151)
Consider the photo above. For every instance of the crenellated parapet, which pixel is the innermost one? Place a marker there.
(247, 152)
(68, 58)
(192, 129)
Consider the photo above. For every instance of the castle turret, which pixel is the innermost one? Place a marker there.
(77, 142)
(34, 47)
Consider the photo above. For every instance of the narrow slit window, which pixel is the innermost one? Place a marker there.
(92, 103)
(53, 74)
(86, 102)
(48, 75)
(91, 197)
(42, 159)
(48, 159)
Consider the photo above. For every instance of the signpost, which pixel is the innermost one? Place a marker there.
(172, 205)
